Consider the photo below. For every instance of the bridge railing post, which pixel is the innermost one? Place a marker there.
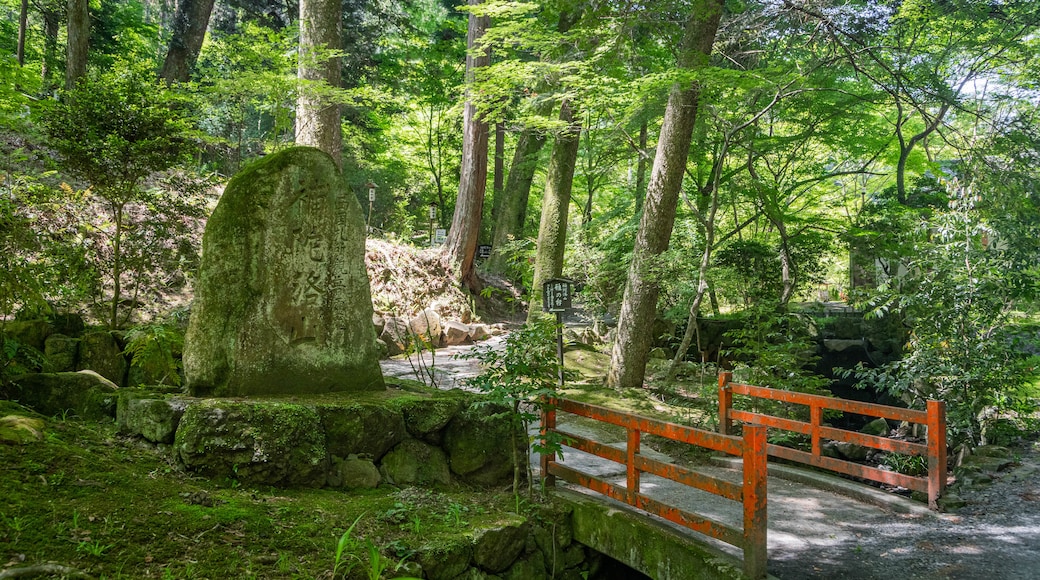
(725, 402)
(936, 452)
(632, 483)
(548, 424)
(754, 496)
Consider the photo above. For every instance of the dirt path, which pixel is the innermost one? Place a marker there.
(450, 370)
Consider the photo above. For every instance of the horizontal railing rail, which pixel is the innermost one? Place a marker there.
(934, 418)
(751, 538)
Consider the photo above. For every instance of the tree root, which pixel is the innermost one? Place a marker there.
(48, 569)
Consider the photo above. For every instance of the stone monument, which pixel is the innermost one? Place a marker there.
(282, 301)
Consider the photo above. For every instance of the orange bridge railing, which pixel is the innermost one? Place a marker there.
(751, 493)
(934, 418)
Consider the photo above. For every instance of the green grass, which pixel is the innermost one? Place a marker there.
(114, 507)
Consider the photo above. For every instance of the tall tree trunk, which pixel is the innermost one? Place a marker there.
(500, 145)
(78, 42)
(552, 229)
(469, 207)
(317, 117)
(23, 21)
(189, 29)
(641, 168)
(511, 213)
(639, 306)
(51, 27)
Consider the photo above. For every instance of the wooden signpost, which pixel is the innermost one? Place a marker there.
(556, 297)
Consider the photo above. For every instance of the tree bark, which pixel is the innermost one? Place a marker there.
(317, 116)
(51, 27)
(469, 207)
(189, 29)
(552, 229)
(23, 21)
(78, 42)
(641, 169)
(511, 213)
(639, 306)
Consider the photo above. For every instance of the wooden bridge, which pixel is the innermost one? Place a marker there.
(719, 505)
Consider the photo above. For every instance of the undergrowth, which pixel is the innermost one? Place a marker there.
(111, 507)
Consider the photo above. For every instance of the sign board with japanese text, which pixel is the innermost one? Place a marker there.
(483, 251)
(440, 236)
(557, 294)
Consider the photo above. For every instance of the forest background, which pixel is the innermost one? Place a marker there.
(721, 158)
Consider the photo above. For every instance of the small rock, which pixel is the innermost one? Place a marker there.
(878, 427)
(454, 333)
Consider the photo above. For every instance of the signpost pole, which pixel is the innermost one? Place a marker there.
(559, 344)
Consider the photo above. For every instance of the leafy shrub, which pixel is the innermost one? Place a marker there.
(153, 350)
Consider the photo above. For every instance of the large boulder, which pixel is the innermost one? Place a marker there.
(85, 394)
(155, 419)
(367, 429)
(477, 442)
(28, 332)
(100, 351)
(414, 462)
(283, 303)
(263, 443)
(61, 352)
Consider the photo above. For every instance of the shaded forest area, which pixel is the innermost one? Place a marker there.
(680, 160)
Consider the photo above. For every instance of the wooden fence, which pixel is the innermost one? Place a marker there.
(934, 418)
(751, 538)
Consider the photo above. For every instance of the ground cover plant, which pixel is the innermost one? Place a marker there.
(93, 501)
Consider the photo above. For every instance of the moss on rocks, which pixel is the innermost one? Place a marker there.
(255, 442)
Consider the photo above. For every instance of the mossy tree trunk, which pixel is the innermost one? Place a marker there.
(552, 230)
(631, 349)
(512, 209)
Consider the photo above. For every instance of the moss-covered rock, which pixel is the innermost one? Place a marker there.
(445, 562)
(85, 394)
(262, 443)
(282, 303)
(495, 549)
(414, 462)
(28, 332)
(425, 419)
(100, 351)
(477, 442)
(353, 473)
(155, 419)
(62, 352)
(364, 428)
(19, 430)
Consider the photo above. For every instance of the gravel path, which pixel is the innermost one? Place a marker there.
(996, 536)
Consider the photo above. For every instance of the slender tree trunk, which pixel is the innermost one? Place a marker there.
(51, 26)
(78, 42)
(511, 214)
(500, 145)
(552, 230)
(23, 22)
(639, 306)
(317, 117)
(117, 265)
(641, 169)
(189, 29)
(469, 207)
